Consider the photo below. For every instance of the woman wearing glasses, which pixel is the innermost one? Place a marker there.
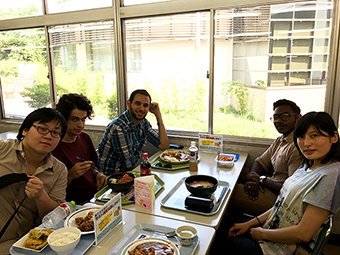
(30, 154)
(306, 199)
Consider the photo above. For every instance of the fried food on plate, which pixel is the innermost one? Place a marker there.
(37, 238)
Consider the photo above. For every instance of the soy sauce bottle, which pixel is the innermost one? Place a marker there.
(145, 167)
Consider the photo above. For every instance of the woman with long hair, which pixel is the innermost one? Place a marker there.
(306, 199)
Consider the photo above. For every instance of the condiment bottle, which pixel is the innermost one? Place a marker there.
(145, 167)
(193, 155)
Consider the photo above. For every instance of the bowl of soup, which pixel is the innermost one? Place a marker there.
(201, 185)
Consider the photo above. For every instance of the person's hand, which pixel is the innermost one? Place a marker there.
(238, 229)
(256, 233)
(34, 187)
(100, 180)
(154, 108)
(252, 189)
(79, 169)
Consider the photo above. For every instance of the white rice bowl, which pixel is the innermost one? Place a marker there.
(64, 240)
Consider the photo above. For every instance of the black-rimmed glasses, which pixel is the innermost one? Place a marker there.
(45, 131)
(283, 116)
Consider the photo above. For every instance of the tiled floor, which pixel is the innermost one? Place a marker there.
(331, 250)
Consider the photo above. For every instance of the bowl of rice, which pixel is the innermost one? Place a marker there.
(64, 240)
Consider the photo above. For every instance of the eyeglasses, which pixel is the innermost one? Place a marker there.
(45, 131)
(283, 116)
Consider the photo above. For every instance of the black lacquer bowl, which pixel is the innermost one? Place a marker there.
(201, 191)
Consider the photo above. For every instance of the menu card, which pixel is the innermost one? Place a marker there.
(145, 192)
(211, 142)
(107, 217)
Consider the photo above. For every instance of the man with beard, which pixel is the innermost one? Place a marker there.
(84, 180)
(122, 143)
(260, 187)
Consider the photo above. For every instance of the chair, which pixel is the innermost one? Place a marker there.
(322, 238)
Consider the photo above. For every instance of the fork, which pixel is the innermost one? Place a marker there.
(167, 234)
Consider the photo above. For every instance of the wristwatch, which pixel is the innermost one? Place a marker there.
(262, 178)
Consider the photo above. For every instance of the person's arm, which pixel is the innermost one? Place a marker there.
(272, 185)
(35, 189)
(311, 221)
(163, 137)
(240, 228)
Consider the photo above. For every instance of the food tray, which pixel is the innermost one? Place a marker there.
(137, 232)
(176, 197)
(84, 244)
(174, 166)
(104, 195)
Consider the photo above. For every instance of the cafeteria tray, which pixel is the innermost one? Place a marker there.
(85, 242)
(176, 197)
(137, 232)
(106, 193)
(174, 166)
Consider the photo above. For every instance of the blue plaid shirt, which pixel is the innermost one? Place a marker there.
(122, 143)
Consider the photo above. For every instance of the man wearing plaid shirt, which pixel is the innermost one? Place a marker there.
(122, 143)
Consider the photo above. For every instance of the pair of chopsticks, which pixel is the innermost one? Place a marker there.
(83, 160)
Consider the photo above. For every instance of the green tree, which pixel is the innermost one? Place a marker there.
(239, 90)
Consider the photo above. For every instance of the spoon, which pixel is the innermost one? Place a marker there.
(167, 234)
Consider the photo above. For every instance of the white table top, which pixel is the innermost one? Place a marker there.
(206, 166)
(130, 219)
(6, 135)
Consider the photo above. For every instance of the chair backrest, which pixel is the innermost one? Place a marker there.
(323, 237)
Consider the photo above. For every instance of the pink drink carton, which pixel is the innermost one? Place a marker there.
(145, 192)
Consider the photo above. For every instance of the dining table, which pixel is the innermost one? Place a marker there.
(206, 166)
(131, 220)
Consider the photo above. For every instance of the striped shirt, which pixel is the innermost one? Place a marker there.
(122, 143)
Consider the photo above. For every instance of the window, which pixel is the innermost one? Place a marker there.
(171, 53)
(267, 53)
(23, 71)
(55, 6)
(20, 8)
(84, 63)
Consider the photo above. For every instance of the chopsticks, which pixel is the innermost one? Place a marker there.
(83, 160)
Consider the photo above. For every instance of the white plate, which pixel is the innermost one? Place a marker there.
(131, 246)
(70, 220)
(172, 160)
(21, 241)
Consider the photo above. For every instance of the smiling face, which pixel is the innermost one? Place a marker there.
(285, 127)
(315, 146)
(38, 143)
(139, 107)
(76, 122)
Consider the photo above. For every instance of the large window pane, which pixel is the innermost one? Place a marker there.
(55, 6)
(23, 71)
(268, 53)
(20, 8)
(171, 56)
(134, 2)
(84, 63)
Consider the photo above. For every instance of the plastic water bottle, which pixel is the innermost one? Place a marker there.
(193, 155)
(51, 219)
(145, 167)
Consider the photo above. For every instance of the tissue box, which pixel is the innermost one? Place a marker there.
(225, 160)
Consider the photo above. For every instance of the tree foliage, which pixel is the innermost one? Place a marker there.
(239, 90)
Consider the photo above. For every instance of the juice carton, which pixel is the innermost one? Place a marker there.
(145, 192)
